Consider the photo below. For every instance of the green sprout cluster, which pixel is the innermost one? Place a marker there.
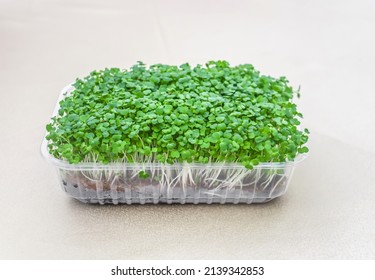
(170, 114)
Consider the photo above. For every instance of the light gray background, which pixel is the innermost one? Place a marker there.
(327, 47)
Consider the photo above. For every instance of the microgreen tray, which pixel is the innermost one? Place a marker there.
(118, 183)
(176, 134)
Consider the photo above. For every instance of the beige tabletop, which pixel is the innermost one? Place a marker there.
(327, 47)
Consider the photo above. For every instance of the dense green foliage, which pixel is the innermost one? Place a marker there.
(211, 113)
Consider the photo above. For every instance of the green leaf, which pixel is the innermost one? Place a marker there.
(143, 174)
(175, 154)
(303, 150)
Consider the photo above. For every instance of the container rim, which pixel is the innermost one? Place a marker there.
(63, 164)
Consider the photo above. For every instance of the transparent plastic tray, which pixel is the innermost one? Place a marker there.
(164, 183)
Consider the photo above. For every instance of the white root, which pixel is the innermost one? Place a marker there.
(276, 185)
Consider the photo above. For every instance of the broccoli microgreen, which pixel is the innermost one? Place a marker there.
(168, 114)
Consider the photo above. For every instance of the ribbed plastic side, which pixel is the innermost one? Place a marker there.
(176, 184)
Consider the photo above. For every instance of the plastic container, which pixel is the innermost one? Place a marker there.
(164, 183)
